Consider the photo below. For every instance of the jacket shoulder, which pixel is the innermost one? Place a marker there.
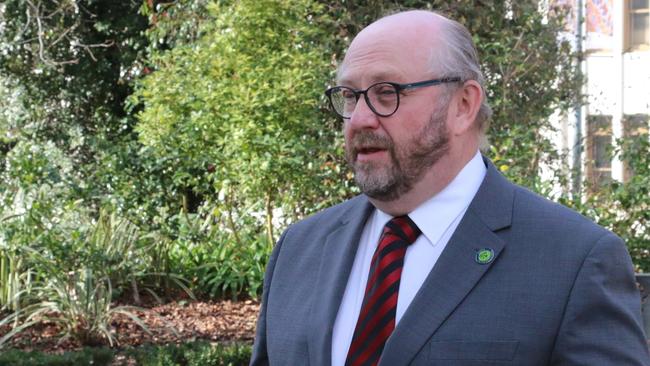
(533, 210)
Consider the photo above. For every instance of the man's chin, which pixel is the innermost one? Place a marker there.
(378, 188)
(382, 195)
(372, 169)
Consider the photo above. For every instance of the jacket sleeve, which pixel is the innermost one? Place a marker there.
(602, 320)
(260, 353)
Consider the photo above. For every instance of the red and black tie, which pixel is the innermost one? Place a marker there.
(377, 317)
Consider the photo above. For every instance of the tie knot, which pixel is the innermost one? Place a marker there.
(403, 227)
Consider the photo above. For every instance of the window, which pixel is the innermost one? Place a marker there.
(599, 149)
(638, 24)
(600, 25)
(634, 126)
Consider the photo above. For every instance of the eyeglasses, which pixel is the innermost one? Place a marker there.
(382, 98)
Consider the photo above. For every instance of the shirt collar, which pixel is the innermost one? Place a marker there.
(434, 216)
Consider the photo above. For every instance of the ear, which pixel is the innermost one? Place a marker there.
(466, 104)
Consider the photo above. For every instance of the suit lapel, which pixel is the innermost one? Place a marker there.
(456, 272)
(339, 251)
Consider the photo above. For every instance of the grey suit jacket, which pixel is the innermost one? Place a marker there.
(560, 290)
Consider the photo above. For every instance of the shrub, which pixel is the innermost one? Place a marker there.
(36, 212)
(237, 112)
(199, 353)
(78, 302)
(87, 356)
(217, 261)
(191, 354)
(624, 207)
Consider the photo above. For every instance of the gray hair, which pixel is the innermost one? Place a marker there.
(460, 58)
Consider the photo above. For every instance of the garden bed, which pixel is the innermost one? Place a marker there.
(215, 321)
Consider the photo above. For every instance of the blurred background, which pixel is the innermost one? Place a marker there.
(152, 152)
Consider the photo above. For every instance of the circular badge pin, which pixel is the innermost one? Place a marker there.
(484, 256)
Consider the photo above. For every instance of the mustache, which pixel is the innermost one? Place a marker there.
(366, 139)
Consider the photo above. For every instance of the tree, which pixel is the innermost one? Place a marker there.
(73, 62)
(65, 72)
(241, 108)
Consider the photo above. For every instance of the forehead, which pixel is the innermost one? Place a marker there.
(397, 48)
(377, 56)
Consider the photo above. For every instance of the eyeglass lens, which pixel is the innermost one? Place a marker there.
(383, 99)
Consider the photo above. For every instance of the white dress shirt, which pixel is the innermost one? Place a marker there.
(437, 218)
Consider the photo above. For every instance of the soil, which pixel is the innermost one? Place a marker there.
(216, 321)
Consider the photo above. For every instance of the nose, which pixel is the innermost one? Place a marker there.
(363, 117)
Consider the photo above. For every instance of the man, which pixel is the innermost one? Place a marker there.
(441, 261)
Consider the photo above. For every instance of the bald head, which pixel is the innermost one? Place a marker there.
(419, 24)
(409, 35)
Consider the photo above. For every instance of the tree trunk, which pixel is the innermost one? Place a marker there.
(269, 219)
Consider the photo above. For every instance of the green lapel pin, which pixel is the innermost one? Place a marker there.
(484, 256)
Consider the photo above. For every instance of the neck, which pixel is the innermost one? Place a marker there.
(435, 180)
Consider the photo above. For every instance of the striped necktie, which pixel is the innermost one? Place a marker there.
(377, 317)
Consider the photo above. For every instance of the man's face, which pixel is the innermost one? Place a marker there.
(391, 154)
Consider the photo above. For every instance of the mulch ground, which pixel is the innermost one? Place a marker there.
(215, 321)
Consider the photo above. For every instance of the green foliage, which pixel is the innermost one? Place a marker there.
(633, 200)
(624, 207)
(175, 24)
(115, 248)
(66, 68)
(199, 353)
(36, 213)
(72, 286)
(40, 214)
(87, 356)
(218, 263)
(113, 244)
(73, 60)
(78, 301)
(11, 115)
(240, 108)
(233, 355)
(14, 279)
(192, 354)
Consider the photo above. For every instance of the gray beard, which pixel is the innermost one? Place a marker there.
(408, 164)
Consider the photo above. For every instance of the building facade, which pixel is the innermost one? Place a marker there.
(615, 39)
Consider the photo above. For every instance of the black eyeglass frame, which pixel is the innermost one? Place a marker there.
(398, 88)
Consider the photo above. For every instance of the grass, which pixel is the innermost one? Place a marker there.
(199, 353)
